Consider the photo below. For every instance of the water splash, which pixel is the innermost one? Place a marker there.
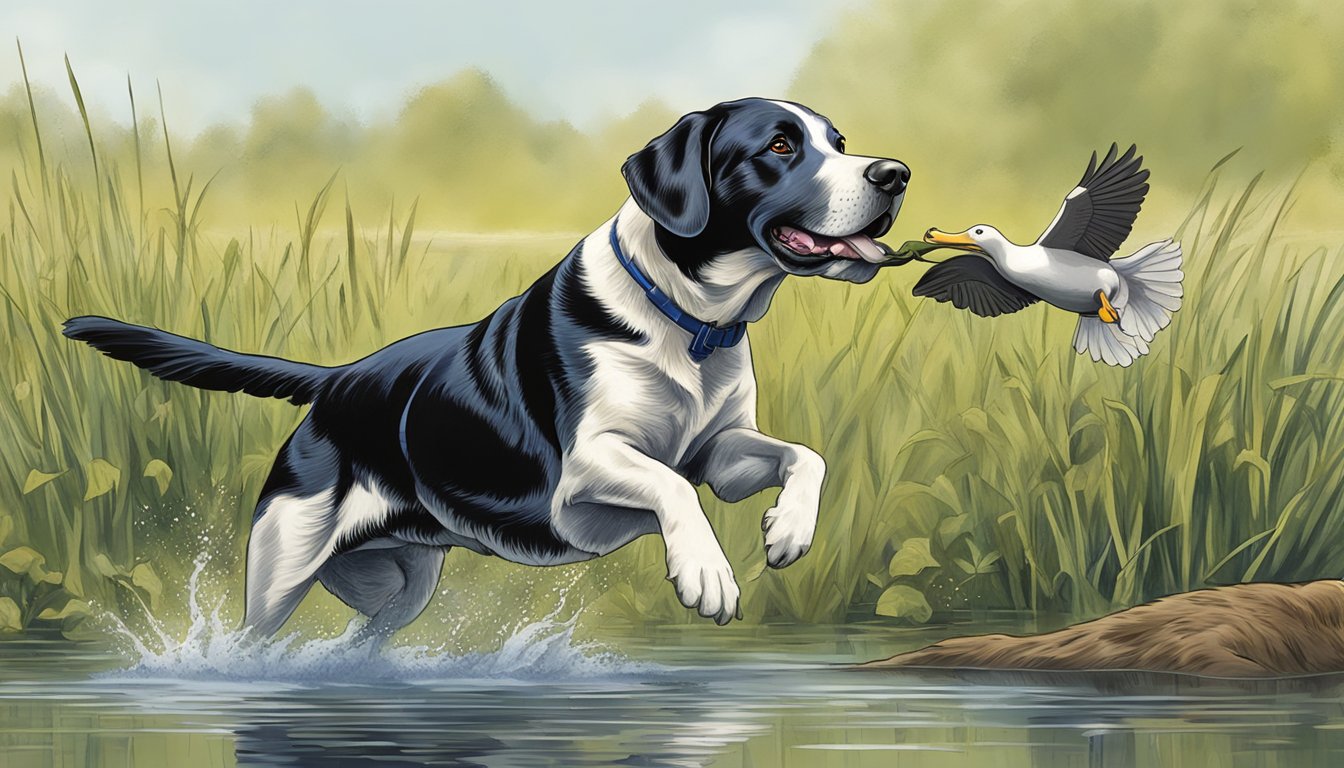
(213, 649)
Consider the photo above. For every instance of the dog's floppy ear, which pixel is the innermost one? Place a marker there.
(669, 179)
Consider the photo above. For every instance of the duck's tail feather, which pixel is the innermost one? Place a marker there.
(1152, 278)
(1150, 291)
(1105, 342)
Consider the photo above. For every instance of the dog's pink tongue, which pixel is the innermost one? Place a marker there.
(807, 243)
(866, 248)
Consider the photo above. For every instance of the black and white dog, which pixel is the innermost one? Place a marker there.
(581, 414)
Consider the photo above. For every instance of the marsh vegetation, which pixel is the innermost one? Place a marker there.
(974, 464)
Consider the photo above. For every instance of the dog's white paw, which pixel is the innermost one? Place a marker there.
(790, 524)
(788, 527)
(705, 584)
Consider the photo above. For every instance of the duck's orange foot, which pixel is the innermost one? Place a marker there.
(1107, 313)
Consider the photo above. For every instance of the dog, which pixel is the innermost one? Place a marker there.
(581, 414)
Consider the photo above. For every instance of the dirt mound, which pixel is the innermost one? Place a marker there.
(1247, 630)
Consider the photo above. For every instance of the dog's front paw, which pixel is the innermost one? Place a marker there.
(789, 525)
(705, 585)
(788, 532)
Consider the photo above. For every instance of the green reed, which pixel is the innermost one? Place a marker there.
(1035, 478)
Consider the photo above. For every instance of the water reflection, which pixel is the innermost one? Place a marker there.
(497, 727)
(749, 707)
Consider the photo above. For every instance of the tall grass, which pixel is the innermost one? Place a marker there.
(1216, 459)
(1040, 480)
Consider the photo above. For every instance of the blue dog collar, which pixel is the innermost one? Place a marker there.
(706, 337)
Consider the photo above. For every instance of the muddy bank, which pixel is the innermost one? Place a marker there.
(1247, 630)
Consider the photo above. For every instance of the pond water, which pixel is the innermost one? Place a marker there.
(668, 696)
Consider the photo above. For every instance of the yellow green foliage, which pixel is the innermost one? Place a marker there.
(1034, 478)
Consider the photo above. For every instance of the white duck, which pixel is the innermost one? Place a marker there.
(1122, 303)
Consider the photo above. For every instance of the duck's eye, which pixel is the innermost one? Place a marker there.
(780, 146)
(840, 144)
(979, 231)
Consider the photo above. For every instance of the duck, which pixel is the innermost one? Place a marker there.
(1122, 303)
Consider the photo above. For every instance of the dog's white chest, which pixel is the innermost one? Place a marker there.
(661, 403)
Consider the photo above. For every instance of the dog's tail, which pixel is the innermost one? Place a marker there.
(177, 358)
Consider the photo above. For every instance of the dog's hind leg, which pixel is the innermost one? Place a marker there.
(294, 530)
(391, 585)
(291, 539)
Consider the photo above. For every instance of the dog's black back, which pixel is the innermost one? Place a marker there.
(473, 417)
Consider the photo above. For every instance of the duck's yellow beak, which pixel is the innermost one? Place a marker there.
(959, 240)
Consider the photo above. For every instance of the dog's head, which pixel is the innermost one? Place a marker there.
(768, 175)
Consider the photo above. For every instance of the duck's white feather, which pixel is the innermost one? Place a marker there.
(1150, 290)
(1153, 276)
(1105, 342)
(1065, 279)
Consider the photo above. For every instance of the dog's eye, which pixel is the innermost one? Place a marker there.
(840, 144)
(780, 146)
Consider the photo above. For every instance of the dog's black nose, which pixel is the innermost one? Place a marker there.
(889, 175)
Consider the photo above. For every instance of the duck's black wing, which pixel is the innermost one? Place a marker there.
(971, 282)
(1099, 213)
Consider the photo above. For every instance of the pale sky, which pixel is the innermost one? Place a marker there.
(580, 60)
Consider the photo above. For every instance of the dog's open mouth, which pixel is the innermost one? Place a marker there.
(858, 246)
